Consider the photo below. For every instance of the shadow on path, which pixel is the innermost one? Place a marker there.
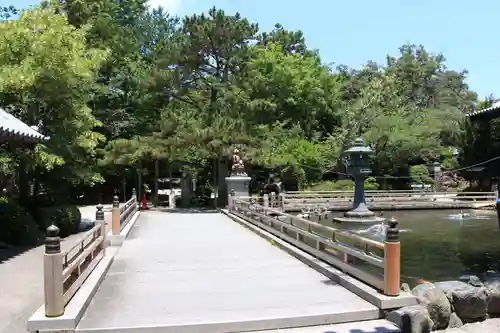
(8, 252)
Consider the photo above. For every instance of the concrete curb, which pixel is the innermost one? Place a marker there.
(364, 291)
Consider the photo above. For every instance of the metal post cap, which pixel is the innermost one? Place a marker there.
(393, 222)
(392, 233)
(115, 201)
(99, 214)
(52, 241)
(52, 231)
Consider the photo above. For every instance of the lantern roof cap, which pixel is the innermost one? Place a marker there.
(359, 147)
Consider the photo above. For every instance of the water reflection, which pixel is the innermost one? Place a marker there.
(443, 245)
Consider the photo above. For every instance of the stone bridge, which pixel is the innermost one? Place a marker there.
(248, 268)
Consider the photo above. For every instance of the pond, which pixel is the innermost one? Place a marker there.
(439, 245)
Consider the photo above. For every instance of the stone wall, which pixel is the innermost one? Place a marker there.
(447, 305)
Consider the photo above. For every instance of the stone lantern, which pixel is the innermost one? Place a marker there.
(435, 170)
(359, 168)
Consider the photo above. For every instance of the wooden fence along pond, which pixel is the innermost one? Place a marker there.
(380, 200)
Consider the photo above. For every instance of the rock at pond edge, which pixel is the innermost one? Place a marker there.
(412, 319)
(436, 303)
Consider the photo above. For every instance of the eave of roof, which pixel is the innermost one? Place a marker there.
(10, 126)
(487, 111)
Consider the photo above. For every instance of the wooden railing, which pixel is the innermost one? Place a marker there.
(342, 197)
(65, 272)
(375, 263)
(122, 215)
(389, 194)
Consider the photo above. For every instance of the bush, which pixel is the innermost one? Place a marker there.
(17, 226)
(420, 174)
(343, 185)
(66, 217)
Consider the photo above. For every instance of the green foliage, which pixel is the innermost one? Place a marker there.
(6, 12)
(47, 74)
(17, 226)
(66, 217)
(213, 88)
(420, 174)
(343, 185)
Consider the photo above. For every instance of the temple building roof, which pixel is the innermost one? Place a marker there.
(492, 111)
(11, 127)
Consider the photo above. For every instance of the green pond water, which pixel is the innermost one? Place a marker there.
(439, 245)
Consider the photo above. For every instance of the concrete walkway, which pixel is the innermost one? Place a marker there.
(202, 272)
(21, 282)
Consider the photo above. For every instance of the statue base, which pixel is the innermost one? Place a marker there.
(359, 220)
(360, 215)
(238, 184)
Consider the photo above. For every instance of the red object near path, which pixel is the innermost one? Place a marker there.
(144, 202)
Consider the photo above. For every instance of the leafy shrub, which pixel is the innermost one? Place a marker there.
(17, 226)
(66, 217)
(420, 174)
(293, 177)
(344, 185)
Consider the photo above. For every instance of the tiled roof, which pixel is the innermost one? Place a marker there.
(494, 107)
(10, 125)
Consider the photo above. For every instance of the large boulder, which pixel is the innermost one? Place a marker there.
(493, 287)
(412, 319)
(469, 302)
(473, 280)
(455, 321)
(436, 303)
(448, 286)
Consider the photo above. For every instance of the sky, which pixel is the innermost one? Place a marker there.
(352, 32)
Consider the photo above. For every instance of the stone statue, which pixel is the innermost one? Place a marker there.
(238, 167)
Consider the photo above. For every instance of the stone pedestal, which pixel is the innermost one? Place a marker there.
(360, 214)
(238, 184)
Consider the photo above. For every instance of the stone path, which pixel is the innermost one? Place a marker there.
(21, 282)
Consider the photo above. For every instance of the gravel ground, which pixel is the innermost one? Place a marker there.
(21, 282)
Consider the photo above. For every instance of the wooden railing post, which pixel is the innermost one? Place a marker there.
(115, 216)
(266, 200)
(99, 218)
(134, 195)
(230, 202)
(53, 274)
(392, 259)
(171, 199)
(282, 201)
